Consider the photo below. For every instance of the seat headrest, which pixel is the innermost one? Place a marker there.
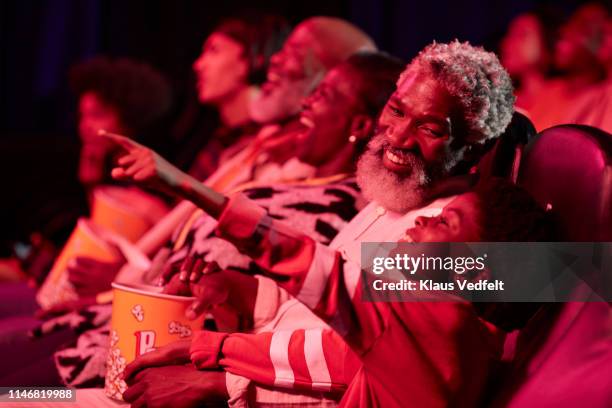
(568, 169)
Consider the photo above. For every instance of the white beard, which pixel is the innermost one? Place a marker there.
(392, 191)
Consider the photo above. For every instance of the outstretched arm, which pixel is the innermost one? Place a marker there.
(314, 273)
(143, 166)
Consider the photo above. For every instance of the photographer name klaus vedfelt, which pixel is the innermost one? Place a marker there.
(430, 285)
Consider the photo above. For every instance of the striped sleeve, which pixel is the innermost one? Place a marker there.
(301, 360)
(315, 274)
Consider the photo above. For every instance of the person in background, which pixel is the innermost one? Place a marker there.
(131, 98)
(603, 114)
(120, 94)
(229, 72)
(605, 51)
(526, 51)
(313, 47)
(123, 95)
(576, 96)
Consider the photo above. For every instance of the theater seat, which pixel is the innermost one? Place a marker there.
(569, 168)
(563, 356)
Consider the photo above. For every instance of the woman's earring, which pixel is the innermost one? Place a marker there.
(352, 139)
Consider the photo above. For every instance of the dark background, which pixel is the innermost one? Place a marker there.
(40, 40)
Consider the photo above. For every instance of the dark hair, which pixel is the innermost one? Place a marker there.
(508, 213)
(138, 92)
(498, 155)
(261, 35)
(377, 73)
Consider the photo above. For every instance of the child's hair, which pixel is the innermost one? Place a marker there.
(508, 213)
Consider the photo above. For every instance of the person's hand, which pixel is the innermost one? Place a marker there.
(214, 287)
(90, 276)
(192, 265)
(185, 277)
(65, 307)
(176, 386)
(211, 287)
(177, 287)
(175, 353)
(142, 165)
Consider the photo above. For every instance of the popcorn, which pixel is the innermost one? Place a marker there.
(175, 327)
(114, 386)
(138, 312)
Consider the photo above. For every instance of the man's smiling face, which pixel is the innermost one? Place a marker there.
(418, 124)
(417, 143)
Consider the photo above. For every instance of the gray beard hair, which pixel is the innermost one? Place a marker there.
(392, 191)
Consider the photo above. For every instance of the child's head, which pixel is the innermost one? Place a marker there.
(494, 211)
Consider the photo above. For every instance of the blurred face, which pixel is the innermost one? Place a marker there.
(327, 115)
(294, 71)
(523, 48)
(416, 143)
(605, 51)
(458, 222)
(577, 47)
(221, 69)
(94, 115)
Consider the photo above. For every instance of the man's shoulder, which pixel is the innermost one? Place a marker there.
(437, 204)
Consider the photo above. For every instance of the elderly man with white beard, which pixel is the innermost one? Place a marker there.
(450, 100)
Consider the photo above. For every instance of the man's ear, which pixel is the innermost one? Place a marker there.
(361, 126)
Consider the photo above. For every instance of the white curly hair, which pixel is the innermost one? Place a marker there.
(477, 79)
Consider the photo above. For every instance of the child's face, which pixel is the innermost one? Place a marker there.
(458, 222)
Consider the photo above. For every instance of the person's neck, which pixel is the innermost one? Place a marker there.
(234, 110)
(531, 83)
(343, 162)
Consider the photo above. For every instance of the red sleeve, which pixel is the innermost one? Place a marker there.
(309, 360)
(315, 274)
